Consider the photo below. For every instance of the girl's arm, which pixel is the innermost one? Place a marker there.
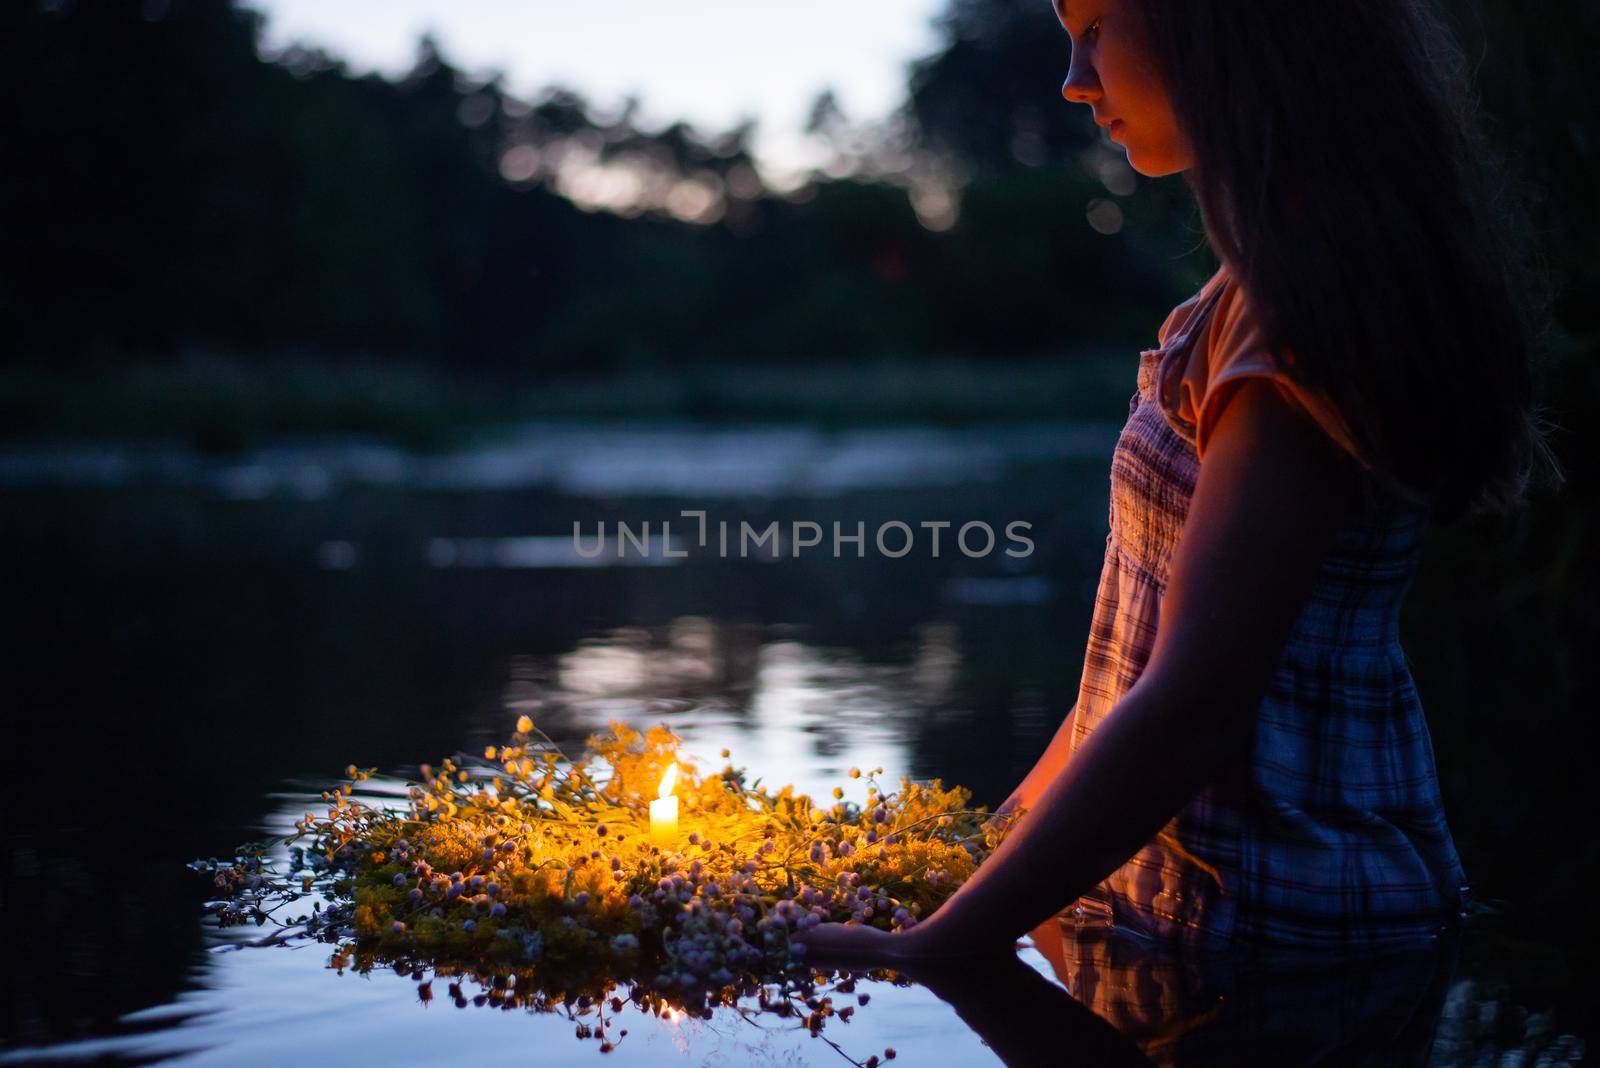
(1265, 509)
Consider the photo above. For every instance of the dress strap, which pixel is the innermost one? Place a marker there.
(1200, 318)
(1155, 361)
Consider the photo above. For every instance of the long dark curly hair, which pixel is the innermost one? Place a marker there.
(1343, 176)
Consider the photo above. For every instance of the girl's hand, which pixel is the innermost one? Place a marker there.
(852, 944)
(855, 943)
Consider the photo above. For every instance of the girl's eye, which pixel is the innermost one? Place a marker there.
(1094, 28)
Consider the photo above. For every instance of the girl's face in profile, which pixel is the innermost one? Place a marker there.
(1113, 73)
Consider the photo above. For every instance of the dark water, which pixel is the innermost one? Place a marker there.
(194, 645)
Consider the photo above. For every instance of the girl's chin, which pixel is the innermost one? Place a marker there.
(1159, 168)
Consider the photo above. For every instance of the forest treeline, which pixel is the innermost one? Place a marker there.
(167, 188)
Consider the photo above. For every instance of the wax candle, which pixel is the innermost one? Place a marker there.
(664, 810)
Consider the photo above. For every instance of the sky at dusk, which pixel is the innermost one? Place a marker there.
(708, 62)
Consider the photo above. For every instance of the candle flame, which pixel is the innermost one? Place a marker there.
(668, 780)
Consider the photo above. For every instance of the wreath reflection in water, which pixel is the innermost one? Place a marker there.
(526, 879)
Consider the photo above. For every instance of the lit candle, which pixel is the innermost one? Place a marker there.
(664, 810)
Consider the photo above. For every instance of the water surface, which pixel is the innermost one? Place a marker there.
(199, 643)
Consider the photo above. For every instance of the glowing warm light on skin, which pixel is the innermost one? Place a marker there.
(664, 810)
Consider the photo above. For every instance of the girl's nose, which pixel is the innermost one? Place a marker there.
(1082, 85)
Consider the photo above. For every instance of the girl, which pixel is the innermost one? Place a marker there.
(1247, 760)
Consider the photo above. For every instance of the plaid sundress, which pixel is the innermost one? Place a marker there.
(1334, 834)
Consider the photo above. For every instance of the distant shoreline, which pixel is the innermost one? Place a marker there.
(222, 405)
